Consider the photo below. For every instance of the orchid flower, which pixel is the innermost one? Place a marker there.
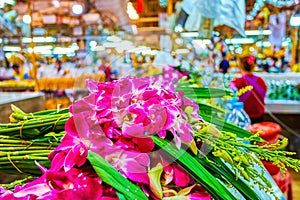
(73, 149)
(74, 184)
(131, 164)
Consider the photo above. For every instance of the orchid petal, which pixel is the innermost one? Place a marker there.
(169, 174)
(181, 177)
(199, 196)
(37, 190)
(179, 197)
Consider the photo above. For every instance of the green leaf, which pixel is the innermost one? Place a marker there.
(221, 171)
(209, 110)
(112, 177)
(195, 169)
(225, 126)
(203, 92)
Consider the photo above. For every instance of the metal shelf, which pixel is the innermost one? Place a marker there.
(283, 106)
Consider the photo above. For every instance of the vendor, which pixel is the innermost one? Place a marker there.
(254, 103)
(224, 65)
(19, 73)
(104, 67)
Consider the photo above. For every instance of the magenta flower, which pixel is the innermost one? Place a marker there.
(175, 173)
(115, 121)
(73, 149)
(74, 184)
(131, 164)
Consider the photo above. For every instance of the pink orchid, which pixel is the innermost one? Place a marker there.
(137, 144)
(175, 173)
(132, 164)
(73, 149)
(115, 121)
(74, 184)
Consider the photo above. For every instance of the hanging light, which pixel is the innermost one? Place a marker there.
(26, 19)
(295, 19)
(77, 9)
(56, 3)
(132, 12)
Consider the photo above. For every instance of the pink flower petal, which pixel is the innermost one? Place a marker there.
(130, 129)
(143, 145)
(181, 178)
(37, 190)
(199, 196)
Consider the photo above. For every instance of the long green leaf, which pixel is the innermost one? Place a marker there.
(112, 177)
(196, 170)
(223, 172)
(204, 92)
(209, 110)
(225, 126)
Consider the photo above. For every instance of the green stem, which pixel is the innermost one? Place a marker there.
(26, 157)
(23, 148)
(62, 122)
(24, 143)
(36, 152)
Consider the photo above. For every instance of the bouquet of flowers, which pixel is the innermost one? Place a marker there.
(137, 138)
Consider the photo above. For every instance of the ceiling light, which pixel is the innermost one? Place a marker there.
(114, 38)
(182, 51)
(295, 19)
(189, 34)
(258, 32)
(26, 19)
(56, 3)
(77, 9)
(93, 44)
(11, 48)
(239, 41)
(132, 12)
(263, 44)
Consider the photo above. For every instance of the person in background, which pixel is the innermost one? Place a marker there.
(19, 73)
(254, 103)
(224, 65)
(104, 67)
(58, 66)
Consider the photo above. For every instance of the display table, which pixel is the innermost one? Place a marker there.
(279, 76)
(27, 101)
(283, 106)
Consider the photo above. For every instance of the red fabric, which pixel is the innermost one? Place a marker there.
(284, 183)
(139, 6)
(106, 69)
(254, 103)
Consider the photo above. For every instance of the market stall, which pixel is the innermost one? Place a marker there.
(132, 112)
(182, 159)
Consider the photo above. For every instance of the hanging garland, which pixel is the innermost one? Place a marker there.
(279, 3)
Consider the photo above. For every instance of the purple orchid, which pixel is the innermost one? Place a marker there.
(115, 121)
(73, 149)
(74, 184)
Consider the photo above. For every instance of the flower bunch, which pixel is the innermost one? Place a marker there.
(116, 121)
(74, 184)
